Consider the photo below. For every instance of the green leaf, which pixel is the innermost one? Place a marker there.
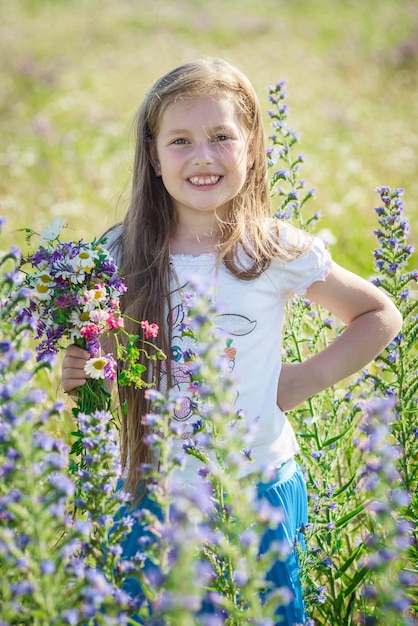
(346, 518)
(356, 581)
(346, 485)
(348, 562)
(332, 440)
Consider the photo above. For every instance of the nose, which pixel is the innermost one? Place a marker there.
(202, 154)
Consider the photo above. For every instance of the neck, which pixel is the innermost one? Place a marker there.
(196, 239)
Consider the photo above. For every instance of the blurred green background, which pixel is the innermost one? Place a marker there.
(74, 71)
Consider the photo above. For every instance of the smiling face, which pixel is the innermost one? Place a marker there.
(201, 153)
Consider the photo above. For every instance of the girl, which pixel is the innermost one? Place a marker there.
(201, 205)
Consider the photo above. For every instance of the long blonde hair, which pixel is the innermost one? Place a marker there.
(142, 246)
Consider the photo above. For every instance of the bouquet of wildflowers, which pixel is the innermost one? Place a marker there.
(75, 290)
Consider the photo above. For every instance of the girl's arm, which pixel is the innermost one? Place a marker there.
(372, 321)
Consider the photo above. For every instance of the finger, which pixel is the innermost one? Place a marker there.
(71, 362)
(73, 374)
(73, 379)
(77, 352)
(70, 386)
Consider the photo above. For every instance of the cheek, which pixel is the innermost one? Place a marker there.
(231, 158)
(238, 162)
(171, 162)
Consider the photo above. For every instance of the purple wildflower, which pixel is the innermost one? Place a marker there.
(47, 567)
(62, 484)
(71, 617)
(22, 588)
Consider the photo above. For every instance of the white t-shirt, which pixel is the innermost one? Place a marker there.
(250, 316)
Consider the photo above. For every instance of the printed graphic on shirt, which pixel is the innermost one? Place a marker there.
(230, 353)
(233, 324)
(229, 323)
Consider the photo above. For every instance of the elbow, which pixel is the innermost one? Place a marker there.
(398, 322)
(393, 320)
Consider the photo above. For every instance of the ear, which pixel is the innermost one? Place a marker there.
(153, 155)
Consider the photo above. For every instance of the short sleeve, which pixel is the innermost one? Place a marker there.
(312, 266)
(297, 275)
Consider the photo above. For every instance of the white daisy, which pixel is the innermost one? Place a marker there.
(68, 273)
(95, 367)
(74, 334)
(85, 259)
(94, 296)
(79, 318)
(52, 231)
(42, 291)
(44, 277)
(78, 277)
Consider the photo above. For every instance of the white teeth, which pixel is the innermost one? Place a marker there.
(204, 180)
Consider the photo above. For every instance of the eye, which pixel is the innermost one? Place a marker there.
(180, 141)
(221, 138)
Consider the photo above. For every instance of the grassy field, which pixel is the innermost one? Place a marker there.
(74, 71)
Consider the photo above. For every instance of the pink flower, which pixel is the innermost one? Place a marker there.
(114, 322)
(151, 330)
(90, 331)
(99, 316)
(193, 387)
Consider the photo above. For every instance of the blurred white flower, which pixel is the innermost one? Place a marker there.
(52, 231)
(327, 236)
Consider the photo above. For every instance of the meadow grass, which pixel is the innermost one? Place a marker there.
(74, 72)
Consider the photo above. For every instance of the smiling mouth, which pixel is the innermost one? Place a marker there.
(204, 180)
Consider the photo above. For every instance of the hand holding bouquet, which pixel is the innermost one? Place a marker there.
(75, 290)
(75, 293)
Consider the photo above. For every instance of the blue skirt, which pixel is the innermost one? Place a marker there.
(287, 491)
